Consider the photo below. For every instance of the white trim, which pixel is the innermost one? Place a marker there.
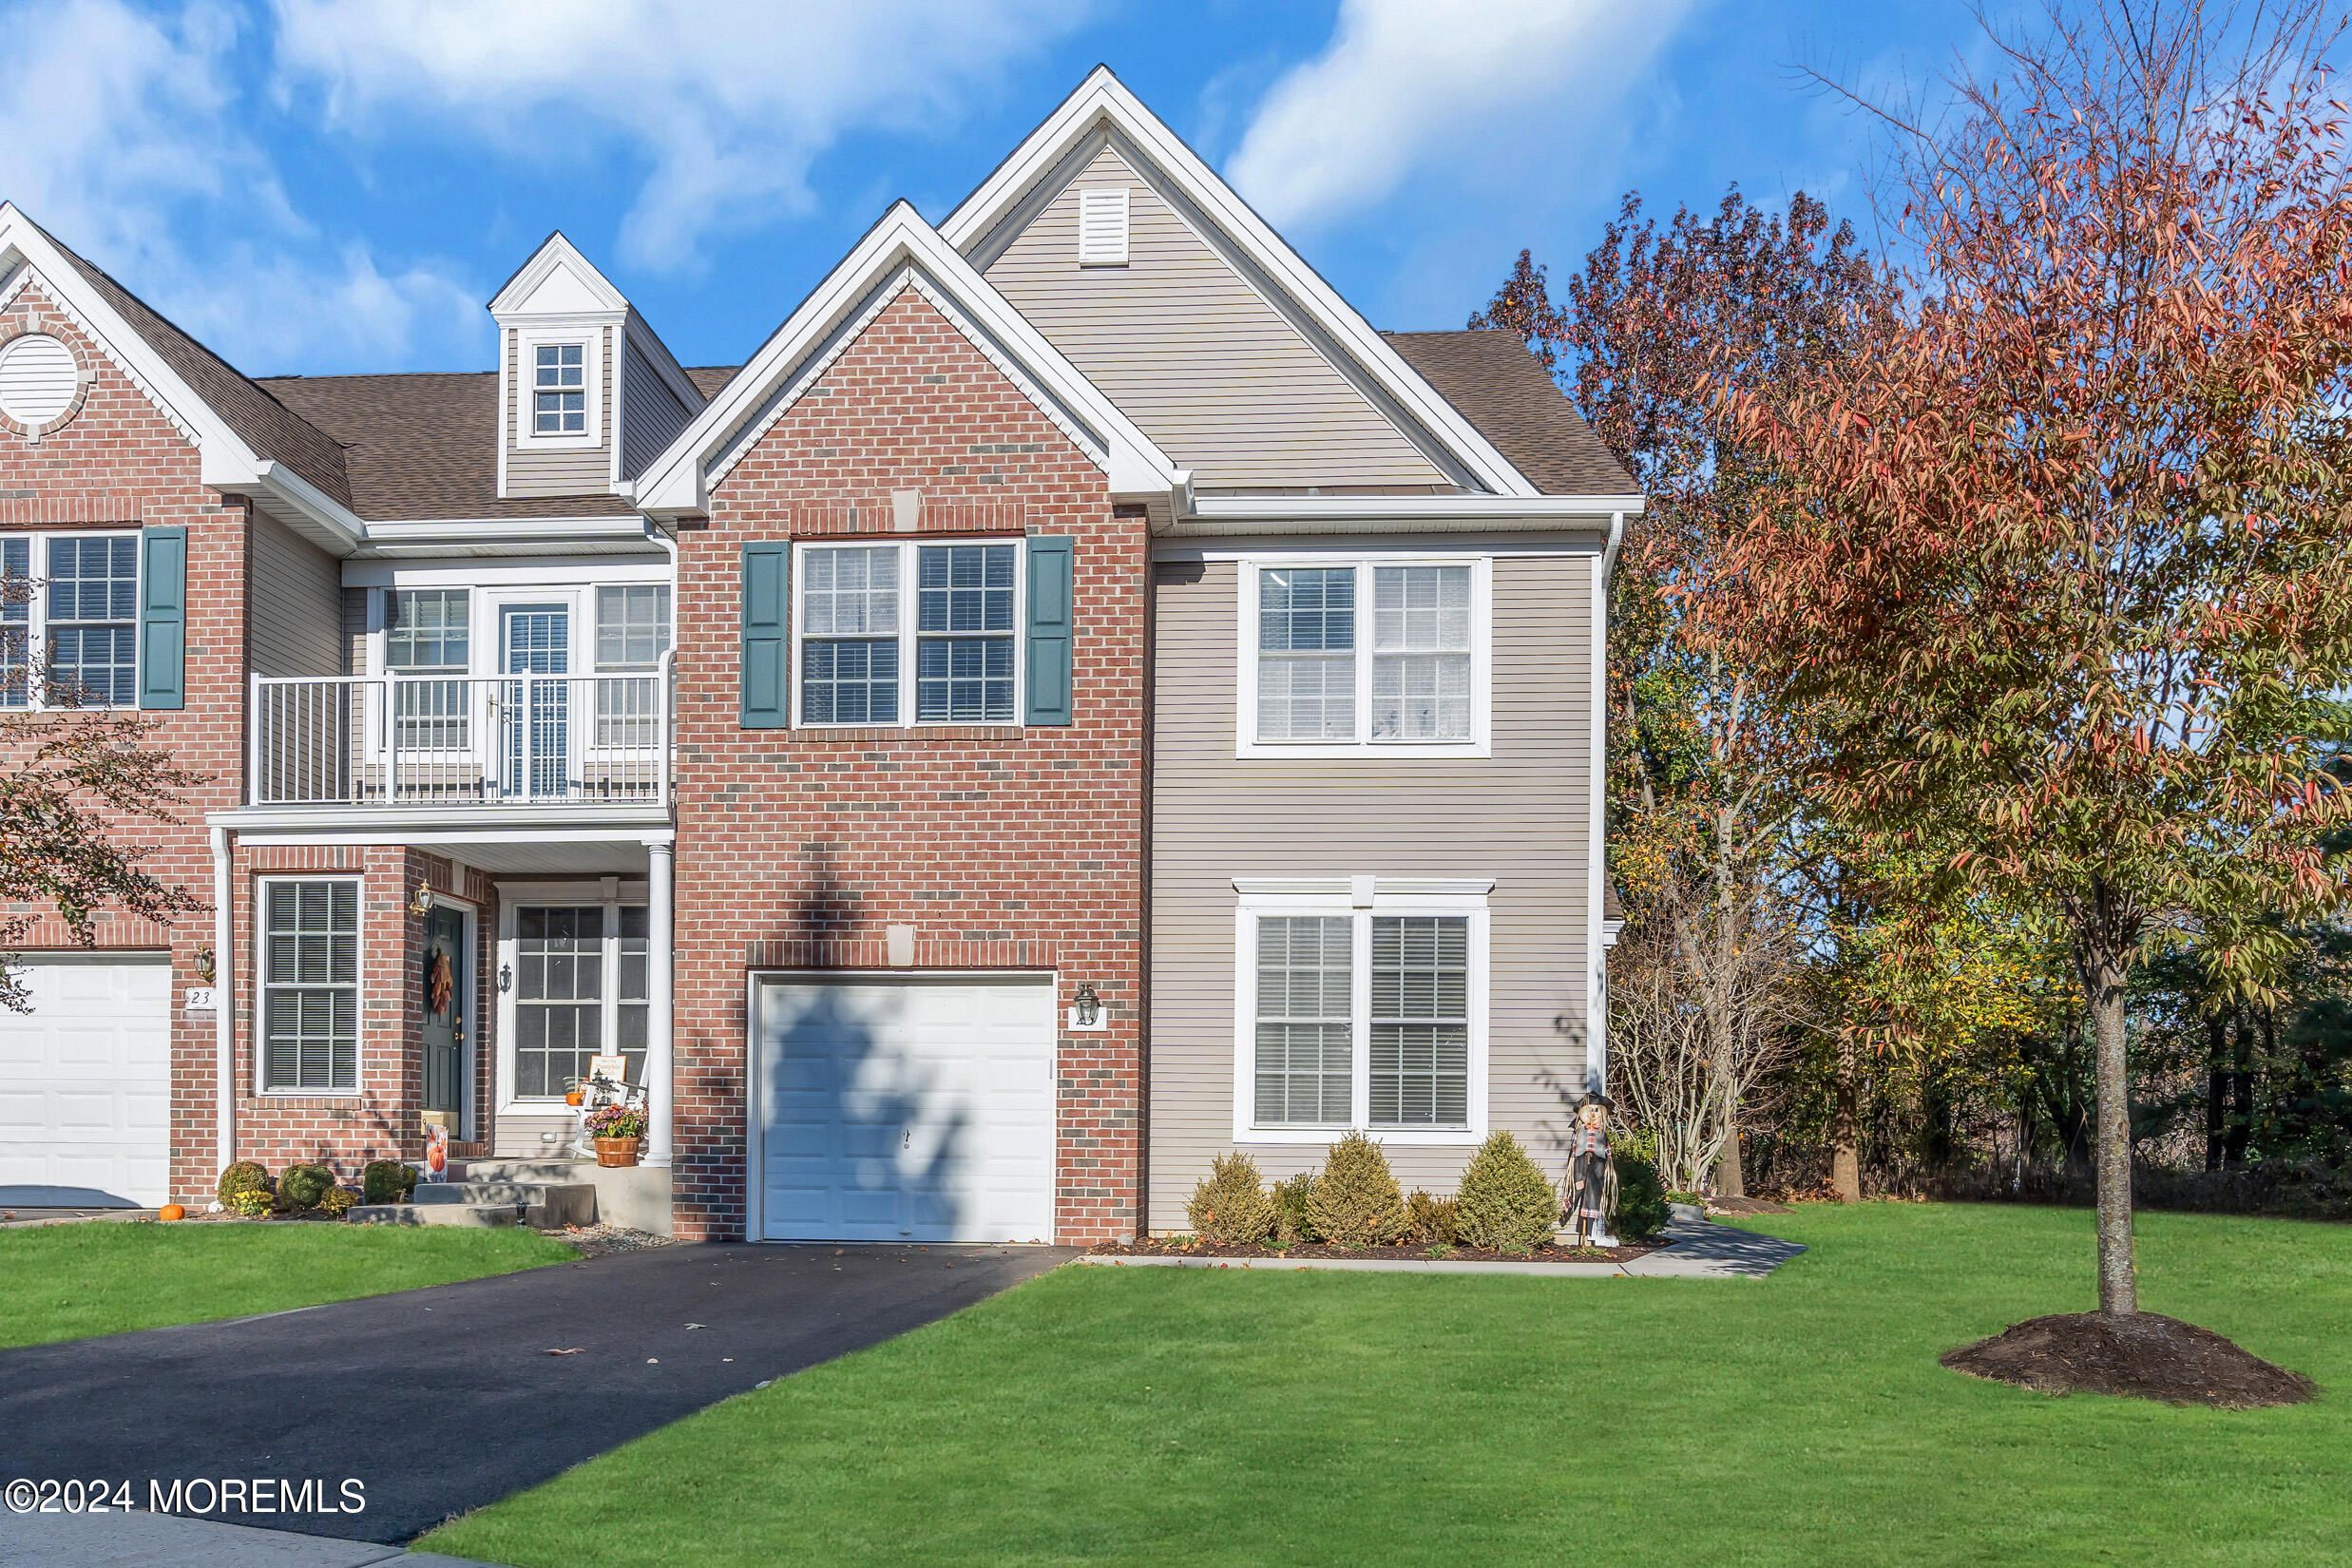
(910, 640)
(1209, 513)
(1549, 545)
(1480, 743)
(1102, 100)
(1387, 892)
(679, 481)
(1470, 907)
(1595, 944)
(477, 572)
(261, 986)
(611, 895)
(591, 341)
(555, 250)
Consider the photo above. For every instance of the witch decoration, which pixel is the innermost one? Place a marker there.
(1592, 1175)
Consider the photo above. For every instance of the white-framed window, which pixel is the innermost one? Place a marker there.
(310, 986)
(559, 399)
(68, 620)
(913, 632)
(575, 967)
(632, 634)
(1360, 1002)
(1341, 656)
(429, 631)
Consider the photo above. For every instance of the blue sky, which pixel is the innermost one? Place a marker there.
(325, 185)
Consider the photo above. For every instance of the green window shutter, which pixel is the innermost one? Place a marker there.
(162, 617)
(766, 680)
(1050, 619)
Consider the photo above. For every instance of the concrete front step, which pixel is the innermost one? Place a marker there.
(634, 1195)
(478, 1215)
(546, 1205)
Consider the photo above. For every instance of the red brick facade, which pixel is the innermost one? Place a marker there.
(1004, 848)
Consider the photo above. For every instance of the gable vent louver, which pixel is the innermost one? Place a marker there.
(1103, 228)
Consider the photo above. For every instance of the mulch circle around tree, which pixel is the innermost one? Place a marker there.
(1173, 1246)
(2140, 1355)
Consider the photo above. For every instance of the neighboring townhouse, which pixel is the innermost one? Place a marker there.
(1075, 701)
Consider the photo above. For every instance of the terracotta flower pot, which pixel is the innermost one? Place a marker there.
(611, 1152)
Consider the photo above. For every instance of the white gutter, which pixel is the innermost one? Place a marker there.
(273, 481)
(440, 535)
(223, 1004)
(1485, 509)
(1608, 553)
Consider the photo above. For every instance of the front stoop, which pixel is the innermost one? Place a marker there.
(542, 1205)
(634, 1196)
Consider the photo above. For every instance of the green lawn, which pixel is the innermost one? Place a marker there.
(104, 1277)
(1166, 1416)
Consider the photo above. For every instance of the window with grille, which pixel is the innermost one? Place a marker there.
(310, 986)
(965, 634)
(850, 631)
(92, 621)
(1365, 654)
(582, 988)
(1305, 1048)
(559, 389)
(860, 639)
(632, 634)
(16, 596)
(1420, 1022)
(428, 634)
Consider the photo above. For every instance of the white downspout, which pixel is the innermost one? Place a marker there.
(661, 919)
(1597, 993)
(223, 1004)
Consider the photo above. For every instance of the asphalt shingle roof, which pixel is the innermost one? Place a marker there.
(1497, 386)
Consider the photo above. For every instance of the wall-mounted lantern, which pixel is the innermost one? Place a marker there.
(422, 903)
(1086, 1008)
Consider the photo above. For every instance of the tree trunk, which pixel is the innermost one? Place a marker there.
(2105, 933)
(1845, 1128)
(2241, 1093)
(2216, 1089)
(1730, 1181)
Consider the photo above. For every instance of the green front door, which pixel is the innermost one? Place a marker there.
(445, 1008)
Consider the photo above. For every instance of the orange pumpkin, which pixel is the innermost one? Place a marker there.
(171, 1211)
(574, 1098)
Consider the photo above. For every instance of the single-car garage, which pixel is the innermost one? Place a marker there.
(85, 1083)
(903, 1108)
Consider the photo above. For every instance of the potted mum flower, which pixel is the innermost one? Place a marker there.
(617, 1130)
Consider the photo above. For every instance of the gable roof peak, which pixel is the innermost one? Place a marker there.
(557, 280)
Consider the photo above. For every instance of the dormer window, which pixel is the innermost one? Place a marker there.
(560, 390)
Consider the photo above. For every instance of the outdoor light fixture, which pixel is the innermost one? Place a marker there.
(506, 977)
(203, 965)
(423, 901)
(1085, 1007)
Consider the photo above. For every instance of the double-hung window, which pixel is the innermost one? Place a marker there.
(859, 637)
(70, 621)
(310, 986)
(1347, 656)
(559, 389)
(1353, 1017)
(428, 632)
(632, 634)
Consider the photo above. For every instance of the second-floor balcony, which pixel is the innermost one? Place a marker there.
(462, 741)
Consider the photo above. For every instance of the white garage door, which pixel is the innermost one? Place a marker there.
(86, 1084)
(905, 1110)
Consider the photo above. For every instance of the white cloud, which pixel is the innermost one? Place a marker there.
(1406, 84)
(731, 100)
(129, 146)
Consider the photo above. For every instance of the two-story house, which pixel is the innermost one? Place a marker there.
(1075, 701)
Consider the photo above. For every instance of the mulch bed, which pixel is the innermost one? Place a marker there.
(1186, 1247)
(598, 1239)
(2140, 1355)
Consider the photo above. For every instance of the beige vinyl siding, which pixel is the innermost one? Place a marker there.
(517, 1137)
(298, 590)
(354, 631)
(558, 470)
(650, 413)
(1196, 357)
(1522, 818)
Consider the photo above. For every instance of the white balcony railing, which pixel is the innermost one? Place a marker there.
(456, 740)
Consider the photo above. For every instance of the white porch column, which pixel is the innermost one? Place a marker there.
(659, 928)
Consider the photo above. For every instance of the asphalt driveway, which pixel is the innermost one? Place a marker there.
(442, 1400)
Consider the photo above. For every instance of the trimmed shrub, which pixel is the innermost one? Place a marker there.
(253, 1202)
(387, 1181)
(1231, 1207)
(1293, 1223)
(337, 1201)
(1355, 1201)
(302, 1186)
(1429, 1221)
(1506, 1203)
(243, 1177)
(1641, 1211)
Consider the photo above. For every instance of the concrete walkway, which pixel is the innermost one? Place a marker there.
(167, 1540)
(442, 1400)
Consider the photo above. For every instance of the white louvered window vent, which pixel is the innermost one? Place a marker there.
(1102, 228)
(38, 379)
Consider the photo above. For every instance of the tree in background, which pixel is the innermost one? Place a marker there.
(1707, 823)
(2057, 562)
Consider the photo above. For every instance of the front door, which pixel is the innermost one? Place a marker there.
(445, 1008)
(537, 645)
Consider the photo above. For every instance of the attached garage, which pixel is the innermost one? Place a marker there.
(903, 1108)
(86, 1084)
